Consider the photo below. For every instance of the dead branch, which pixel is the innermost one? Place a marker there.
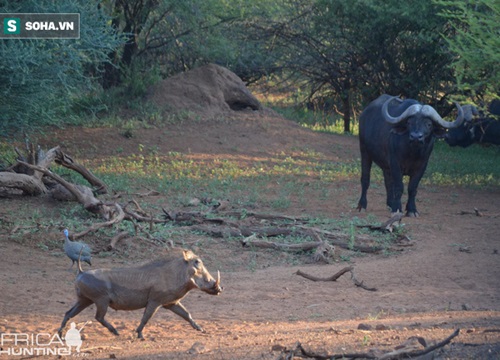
(89, 202)
(336, 276)
(241, 214)
(360, 283)
(116, 214)
(148, 193)
(324, 252)
(44, 160)
(299, 350)
(250, 242)
(338, 238)
(235, 229)
(34, 157)
(331, 278)
(116, 238)
(200, 219)
(386, 226)
(403, 353)
(65, 160)
(140, 214)
(478, 213)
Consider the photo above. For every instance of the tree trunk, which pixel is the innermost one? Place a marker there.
(346, 109)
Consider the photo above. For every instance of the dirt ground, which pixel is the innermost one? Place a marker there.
(448, 279)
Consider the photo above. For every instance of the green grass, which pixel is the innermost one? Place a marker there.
(473, 166)
(448, 166)
(316, 121)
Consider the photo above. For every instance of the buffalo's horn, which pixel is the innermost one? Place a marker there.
(469, 112)
(412, 110)
(430, 112)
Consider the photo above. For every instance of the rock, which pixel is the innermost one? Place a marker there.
(364, 327)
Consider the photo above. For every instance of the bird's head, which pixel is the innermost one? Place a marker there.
(66, 232)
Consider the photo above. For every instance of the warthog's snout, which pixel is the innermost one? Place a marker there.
(215, 289)
(205, 282)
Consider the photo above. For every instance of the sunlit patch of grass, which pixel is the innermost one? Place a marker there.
(314, 120)
(472, 166)
(176, 166)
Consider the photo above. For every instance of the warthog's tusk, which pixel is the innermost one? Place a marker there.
(217, 282)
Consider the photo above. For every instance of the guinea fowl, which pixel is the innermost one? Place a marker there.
(75, 249)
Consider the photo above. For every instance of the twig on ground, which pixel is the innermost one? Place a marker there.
(336, 276)
(402, 353)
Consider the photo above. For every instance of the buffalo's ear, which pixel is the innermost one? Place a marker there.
(439, 132)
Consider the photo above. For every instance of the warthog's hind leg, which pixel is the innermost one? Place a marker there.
(102, 309)
(80, 305)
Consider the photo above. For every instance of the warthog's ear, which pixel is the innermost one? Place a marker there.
(188, 255)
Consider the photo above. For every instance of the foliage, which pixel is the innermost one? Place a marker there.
(336, 55)
(348, 52)
(40, 78)
(475, 44)
(175, 36)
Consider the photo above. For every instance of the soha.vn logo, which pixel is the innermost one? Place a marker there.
(41, 344)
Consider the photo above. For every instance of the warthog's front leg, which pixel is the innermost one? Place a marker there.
(180, 310)
(149, 311)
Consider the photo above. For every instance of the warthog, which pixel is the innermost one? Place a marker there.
(160, 283)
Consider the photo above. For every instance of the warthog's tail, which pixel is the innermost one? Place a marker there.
(79, 262)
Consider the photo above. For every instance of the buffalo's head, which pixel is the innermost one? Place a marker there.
(463, 135)
(420, 121)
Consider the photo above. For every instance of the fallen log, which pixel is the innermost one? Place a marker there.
(234, 229)
(87, 199)
(28, 184)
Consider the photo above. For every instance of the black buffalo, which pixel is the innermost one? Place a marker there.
(477, 127)
(398, 135)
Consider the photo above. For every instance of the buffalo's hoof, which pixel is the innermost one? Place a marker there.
(412, 214)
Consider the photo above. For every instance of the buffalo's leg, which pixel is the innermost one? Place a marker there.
(80, 305)
(366, 166)
(411, 206)
(180, 310)
(102, 309)
(149, 311)
(397, 187)
(389, 188)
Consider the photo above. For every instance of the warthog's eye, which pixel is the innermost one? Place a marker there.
(198, 264)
